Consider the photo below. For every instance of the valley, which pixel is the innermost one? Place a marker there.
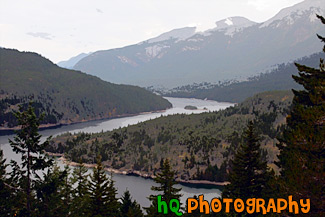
(195, 144)
(151, 108)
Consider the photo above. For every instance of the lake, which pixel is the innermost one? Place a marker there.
(138, 187)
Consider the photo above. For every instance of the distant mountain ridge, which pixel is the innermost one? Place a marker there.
(290, 14)
(69, 64)
(230, 26)
(277, 79)
(65, 96)
(236, 48)
(179, 34)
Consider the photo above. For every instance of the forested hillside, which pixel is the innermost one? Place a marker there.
(65, 96)
(198, 146)
(277, 79)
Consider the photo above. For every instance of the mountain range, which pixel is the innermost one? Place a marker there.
(235, 49)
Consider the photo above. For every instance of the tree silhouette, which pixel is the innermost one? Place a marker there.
(128, 207)
(102, 192)
(27, 143)
(166, 181)
(6, 193)
(302, 155)
(80, 193)
(249, 176)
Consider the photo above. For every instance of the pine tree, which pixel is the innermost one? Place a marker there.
(80, 178)
(249, 176)
(114, 204)
(103, 201)
(66, 191)
(50, 197)
(302, 155)
(27, 144)
(80, 193)
(6, 193)
(195, 213)
(128, 207)
(166, 181)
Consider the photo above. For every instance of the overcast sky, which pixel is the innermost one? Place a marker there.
(60, 29)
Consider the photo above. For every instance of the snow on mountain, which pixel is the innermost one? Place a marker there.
(229, 22)
(182, 56)
(155, 50)
(290, 14)
(157, 46)
(180, 34)
(230, 25)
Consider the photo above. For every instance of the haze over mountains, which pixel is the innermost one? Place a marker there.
(277, 79)
(72, 61)
(235, 49)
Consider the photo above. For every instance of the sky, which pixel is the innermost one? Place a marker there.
(61, 29)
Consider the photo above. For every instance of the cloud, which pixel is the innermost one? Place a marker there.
(42, 35)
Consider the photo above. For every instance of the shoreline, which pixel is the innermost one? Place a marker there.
(9, 131)
(198, 183)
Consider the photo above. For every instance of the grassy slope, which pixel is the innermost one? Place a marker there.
(69, 95)
(212, 136)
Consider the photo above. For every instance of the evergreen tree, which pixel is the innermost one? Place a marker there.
(128, 207)
(114, 204)
(103, 201)
(302, 155)
(50, 197)
(18, 193)
(66, 191)
(195, 213)
(166, 181)
(5, 189)
(249, 176)
(27, 144)
(80, 193)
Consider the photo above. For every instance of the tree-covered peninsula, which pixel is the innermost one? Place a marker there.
(199, 146)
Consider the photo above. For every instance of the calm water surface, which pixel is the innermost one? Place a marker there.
(138, 187)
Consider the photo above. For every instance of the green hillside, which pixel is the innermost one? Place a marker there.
(65, 96)
(192, 142)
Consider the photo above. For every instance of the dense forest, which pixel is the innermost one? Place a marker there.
(199, 146)
(232, 91)
(65, 96)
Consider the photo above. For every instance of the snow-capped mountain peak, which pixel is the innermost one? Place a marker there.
(233, 22)
(230, 25)
(290, 14)
(179, 34)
